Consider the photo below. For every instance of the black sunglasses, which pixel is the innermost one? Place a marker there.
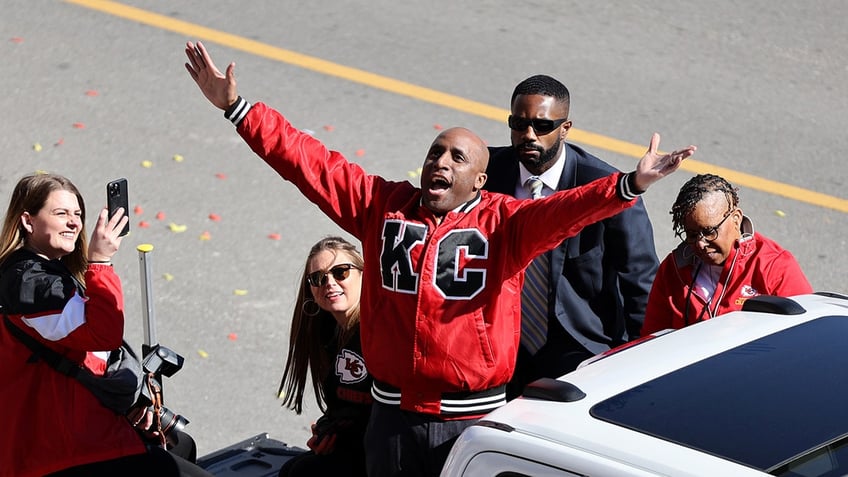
(540, 126)
(339, 272)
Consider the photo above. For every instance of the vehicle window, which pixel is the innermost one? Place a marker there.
(828, 461)
(774, 401)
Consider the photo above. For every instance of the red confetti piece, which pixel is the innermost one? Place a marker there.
(329, 128)
(91, 92)
(205, 235)
(59, 142)
(274, 236)
(232, 336)
(360, 152)
(221, 175)
(438, 127)
(214, 217)
(143, 225)
(79, 126)
(138, 210)
(16, 39)
(160, 215)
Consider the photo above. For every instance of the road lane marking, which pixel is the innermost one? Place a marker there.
(194, 31)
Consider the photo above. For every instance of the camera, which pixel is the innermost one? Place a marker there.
(161, 361)
(114, 189)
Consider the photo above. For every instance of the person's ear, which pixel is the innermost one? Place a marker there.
(26, 222)
(737, 216)
(563, 130)
(480, 181)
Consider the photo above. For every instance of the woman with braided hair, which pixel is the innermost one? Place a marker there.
(720, 262)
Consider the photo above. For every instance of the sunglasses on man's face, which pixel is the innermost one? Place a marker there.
(540, 126)
(339, 272)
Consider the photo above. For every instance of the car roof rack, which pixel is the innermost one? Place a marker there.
(550, 389)
(777, 305)
(832, 295)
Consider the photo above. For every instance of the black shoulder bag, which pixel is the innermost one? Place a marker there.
(118, 389)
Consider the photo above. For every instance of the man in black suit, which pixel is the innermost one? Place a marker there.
(596, 284)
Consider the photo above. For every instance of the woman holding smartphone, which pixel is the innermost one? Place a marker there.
(63, 292)
(325, 340)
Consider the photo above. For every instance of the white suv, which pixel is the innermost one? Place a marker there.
(762, 391)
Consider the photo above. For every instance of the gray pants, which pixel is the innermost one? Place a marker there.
(403, 443)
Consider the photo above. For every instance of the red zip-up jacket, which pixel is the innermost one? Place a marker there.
(440, 300)
(755, 266)
(52, 421)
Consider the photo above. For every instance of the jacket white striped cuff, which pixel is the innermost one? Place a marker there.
(237, 111)
(626, 188)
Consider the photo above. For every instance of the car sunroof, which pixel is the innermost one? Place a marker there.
(760, 404)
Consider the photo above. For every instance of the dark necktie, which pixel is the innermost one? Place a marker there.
(534, 295)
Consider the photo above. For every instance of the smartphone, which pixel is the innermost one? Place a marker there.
(116, 196)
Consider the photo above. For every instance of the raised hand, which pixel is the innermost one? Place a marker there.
(219, 89)
(106, 237)
(653, 166)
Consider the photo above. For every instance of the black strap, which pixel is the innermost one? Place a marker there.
(54, 359)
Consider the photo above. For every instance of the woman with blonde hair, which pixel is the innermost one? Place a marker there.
(63, 293)
(325, 340)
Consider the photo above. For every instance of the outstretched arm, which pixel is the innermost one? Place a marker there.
(653, 166)
(219, 89)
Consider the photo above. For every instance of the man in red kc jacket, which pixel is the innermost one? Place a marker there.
(443, 266)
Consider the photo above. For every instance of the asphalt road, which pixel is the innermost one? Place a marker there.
(96, 90)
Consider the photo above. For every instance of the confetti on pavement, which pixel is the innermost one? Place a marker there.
(138, 210)
(16, 39)
(147, 164)
(205, 236)
(160, 215)
(91, 92)
(329, 128)
(438, 127)
(143, 224)
(167, 276)
(214, 217)
(780, 213)
(232, 336)
(239, 292)
(36, 147)
(79, 126)
(177, 228)
(274, 236)
(221, 175)
(202, 354)
(178, 158)
(360, 152)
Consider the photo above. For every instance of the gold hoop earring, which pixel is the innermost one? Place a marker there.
(305, 307)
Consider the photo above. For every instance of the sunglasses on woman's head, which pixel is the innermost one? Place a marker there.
(339, 272)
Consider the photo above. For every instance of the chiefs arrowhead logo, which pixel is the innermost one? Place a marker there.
(350, 367)
(748, 291)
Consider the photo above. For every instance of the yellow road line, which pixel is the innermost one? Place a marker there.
(193, 31)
